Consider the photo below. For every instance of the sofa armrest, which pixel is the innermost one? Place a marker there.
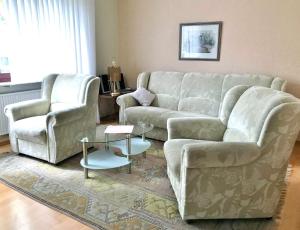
(209, 154)
(201, 128)
(66, 116)
(26, 109)
(125, 101)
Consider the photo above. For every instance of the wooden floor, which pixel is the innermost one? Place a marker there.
(20, 212)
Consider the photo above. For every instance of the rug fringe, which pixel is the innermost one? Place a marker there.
(283, 191)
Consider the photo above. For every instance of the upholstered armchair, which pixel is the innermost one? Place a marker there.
(49, 128)
(233, 166)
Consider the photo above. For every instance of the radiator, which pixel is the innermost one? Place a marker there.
(10, 98)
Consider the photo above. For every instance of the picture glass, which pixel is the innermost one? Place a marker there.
(200, 41)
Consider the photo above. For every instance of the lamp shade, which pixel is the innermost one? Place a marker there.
(114, 73)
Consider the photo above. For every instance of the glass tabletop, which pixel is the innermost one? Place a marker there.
(138, 130)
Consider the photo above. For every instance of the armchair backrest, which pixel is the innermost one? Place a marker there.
(253, 110)
(65, 91)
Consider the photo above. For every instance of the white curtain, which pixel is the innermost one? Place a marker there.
(50, 36)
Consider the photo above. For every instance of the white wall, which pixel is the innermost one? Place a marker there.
(107, 34)
(257, 37)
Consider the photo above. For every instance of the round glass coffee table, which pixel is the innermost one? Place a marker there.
(104, 157)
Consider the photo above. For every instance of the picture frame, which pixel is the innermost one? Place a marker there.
(104, 84)
(200, 41)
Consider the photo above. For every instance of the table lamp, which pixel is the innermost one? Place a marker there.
(114, 73)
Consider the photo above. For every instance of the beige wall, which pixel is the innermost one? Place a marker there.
(259, 36)
(106, 33)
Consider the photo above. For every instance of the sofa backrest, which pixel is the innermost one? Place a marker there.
(231, 80)
(250, 113)
(166, 87)
(201, 93)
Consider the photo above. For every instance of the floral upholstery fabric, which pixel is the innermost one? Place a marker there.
(204, 128)
(158, 134)
(50, 128)
(32, 129)
(174, 156)
(146, 113)
(229, 101)
(250, 112)
(125, 101)
(166, 95)
(278, 84)
(236, 177)
(231, 80)
(142, 80)
(197, 93)
(201, 93)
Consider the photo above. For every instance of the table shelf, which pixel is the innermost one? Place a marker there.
(104, 159)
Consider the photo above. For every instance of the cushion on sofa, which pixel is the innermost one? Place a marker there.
(166, 87)
(31, 129)
(155, 115)
(143, 96)
(201, 93)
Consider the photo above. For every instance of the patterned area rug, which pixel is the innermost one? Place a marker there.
(110, 199)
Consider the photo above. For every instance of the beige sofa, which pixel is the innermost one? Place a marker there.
(185, 95)
(233, 166)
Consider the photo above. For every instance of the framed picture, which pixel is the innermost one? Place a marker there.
(200, 41)
(104, 84)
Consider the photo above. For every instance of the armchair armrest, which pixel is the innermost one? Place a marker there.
(26, 109)
(202, 128)
(125, 101)
(219, 154)
(62, 117)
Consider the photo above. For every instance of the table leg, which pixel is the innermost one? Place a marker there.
(85, 160)
(106, 142)
(128, 143)
(143, 138)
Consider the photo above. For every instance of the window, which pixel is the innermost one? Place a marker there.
(45, 37)
(4, 60)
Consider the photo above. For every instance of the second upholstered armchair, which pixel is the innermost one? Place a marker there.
(50, 128)
(233, 166)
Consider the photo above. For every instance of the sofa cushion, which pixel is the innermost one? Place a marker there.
(172, 150)
(143, 96)
(31, 129)
(201, 93)
(154, 115)
(166, 87)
